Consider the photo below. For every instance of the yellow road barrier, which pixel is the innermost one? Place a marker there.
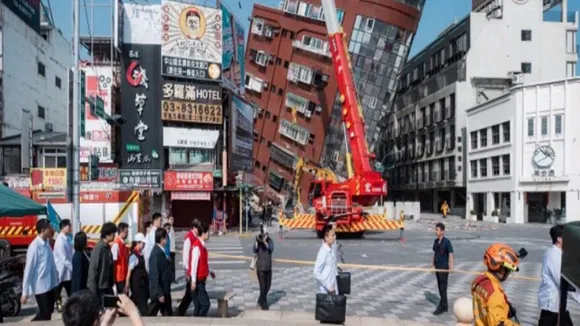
(375, 267)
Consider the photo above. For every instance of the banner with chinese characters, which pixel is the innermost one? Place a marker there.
(191, 102)
(140, 179)
(142, 133)
(107, 172)
(48, 179)
(187, 181)
(190, 138)
(97, 141)
(191, 195)
(191, 41)
(242, 135)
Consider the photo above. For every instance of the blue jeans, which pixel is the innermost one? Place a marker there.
(200, 300)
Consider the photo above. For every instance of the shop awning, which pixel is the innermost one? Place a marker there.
(14, 204)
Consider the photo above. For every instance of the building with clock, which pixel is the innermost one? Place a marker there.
(522, 155)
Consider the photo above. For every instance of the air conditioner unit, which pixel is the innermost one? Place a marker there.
(517, 77)
(265, 85)
(269, 33)
(308, 114)
(325, 78)
(48, 127)
(318, 108)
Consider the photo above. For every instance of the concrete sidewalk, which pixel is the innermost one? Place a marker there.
(251, 317)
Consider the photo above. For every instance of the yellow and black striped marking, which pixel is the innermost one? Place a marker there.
(17, 231)
(375, 222)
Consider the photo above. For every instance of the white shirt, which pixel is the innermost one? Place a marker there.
(63, 253)
(326, 269)
(549, 291)
(115, 251)
(195, 261)
(40, 274)
(133, 261)
(185, 253)
(149, 244)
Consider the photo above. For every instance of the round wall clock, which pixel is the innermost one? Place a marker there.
(544, 156)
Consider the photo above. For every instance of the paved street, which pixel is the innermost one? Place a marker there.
(376, 292)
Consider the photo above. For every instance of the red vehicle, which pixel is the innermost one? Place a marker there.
(343, 202)
(18, 231)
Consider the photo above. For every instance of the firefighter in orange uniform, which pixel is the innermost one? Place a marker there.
(490, 304)
(120, 255)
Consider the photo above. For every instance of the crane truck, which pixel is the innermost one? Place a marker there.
(343, 203)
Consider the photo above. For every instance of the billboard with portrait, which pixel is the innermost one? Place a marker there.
(191, 44)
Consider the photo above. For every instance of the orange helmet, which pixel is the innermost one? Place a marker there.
(501, 255)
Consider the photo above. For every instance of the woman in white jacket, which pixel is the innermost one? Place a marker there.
(326, 268)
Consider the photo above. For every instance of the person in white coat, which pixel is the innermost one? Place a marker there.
(326, 266)
(150, 238)
(63, 253)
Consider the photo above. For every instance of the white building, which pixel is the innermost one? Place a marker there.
(35, 74)
(525, 167)
(499, 45)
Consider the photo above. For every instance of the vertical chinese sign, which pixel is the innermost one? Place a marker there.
(140, 102)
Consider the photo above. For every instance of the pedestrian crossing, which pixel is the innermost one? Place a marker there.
(225, 245)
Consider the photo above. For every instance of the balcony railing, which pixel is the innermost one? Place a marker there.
(298, 44)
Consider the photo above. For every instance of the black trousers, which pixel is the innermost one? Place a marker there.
(265, 280)
(442, 278)
(165, 307)
(172, 256)
(57, 291)
(548, 318)
(186, 301)
(200, 300)
(45, 303)
(120, 286)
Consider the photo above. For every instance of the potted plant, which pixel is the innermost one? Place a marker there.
(473, 215)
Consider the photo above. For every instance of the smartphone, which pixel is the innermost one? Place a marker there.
(110, 301)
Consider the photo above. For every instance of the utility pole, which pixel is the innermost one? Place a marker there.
(76, 117)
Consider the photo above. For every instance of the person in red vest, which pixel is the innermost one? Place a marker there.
(120, 257)
(189, 239)
(200, 268)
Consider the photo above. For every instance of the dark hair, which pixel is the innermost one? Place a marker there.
(122, 227)
(440, 225)
(64, 223)
(147, 224)
(41, 225)
(108, 229)
(5, 184)
(82, 308)
(160, 233)
(134, 244)
(80, 241)
(556, 232)
(195, 224)
(203, 228)
(167, 225)
(155, 216)
(326, 230)
(192, 13)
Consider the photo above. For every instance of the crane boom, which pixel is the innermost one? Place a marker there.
(352, 115)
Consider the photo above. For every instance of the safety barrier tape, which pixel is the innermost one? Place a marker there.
(375, 267)
(17, 231)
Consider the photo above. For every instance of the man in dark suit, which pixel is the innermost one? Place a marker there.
(159, 277)
(100, 278)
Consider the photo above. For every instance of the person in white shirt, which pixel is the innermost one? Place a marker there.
(326, 266)
(63, 253)
(150, 238)
(188, 241)
(200, 271)
(549, 291)
(40, 274)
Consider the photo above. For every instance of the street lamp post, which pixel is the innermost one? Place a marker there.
(76, 117)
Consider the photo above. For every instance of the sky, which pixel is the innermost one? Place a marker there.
(437, 15)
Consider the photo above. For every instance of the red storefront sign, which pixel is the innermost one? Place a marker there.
(190, 195)
(188, 181)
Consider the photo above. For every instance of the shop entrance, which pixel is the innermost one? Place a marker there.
(184, 211)
(537, 207)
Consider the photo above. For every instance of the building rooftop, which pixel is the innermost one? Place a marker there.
(39, 138)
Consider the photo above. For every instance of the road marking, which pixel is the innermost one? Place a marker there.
(225, 262)
(376, 267)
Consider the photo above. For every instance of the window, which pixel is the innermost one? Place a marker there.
(473, 137)
(291, 6)
(506, 164)
(57, 82)
(506, 131)
(483, 136)
(495, 165)
(544, 126)
(526, 35)
(258, 26)
(294, 132)
(262, 58)
(526, 67)
(452, 105)
(558, 124)
(300, 73)
(286, 64)
(53, 158)
(571, 41)
(274, 118)
(41, 69)
(483, 167)
(254, 83)
(531, 127)
(473, 168)
(570, 69)
(495, 135)
(41, 112)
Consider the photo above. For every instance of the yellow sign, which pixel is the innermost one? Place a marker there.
(48, 179)
(191, 112)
